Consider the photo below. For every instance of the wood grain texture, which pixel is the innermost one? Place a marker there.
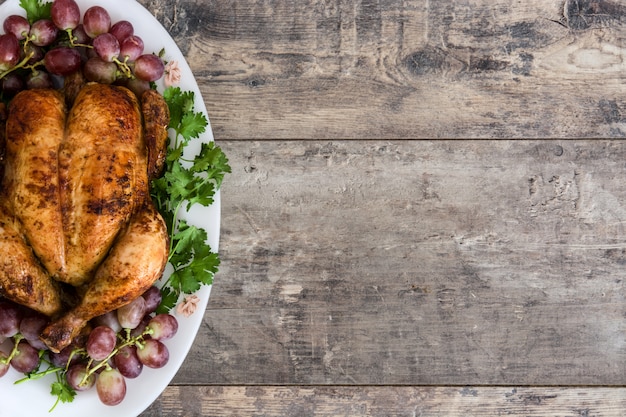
(418, 262)
(369, 270)
(372, 268)
(297, 401)
(405, 69)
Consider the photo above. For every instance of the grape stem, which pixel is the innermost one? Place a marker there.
(59, 381)
(128, 341)
(124, 67)
(16, 340)
(73, 39)
(21, 64)
(39, 375)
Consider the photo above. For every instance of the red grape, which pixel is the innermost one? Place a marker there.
(65, 357)
(101, 342)
(62, 60)
(43, 32)
(141, 327)
(163, 326)
(131, 48)
(96, 21)
(153, 354)
(100, 71)
(136, 85)
(149, 67)
(38, 79)
(80, 36)
(26, 359)
(153, 298)
(9, 51)
(106, 46)
(76, 379)
(131, 314)
(4, 367)
(122, 30)
(31, 327)
(108, 319)
(65, 14)
(10, 318)
(12, 84)
(127, 362)
(16, 25)
(111, 386)
(36, 51)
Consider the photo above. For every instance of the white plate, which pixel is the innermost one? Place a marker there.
(32, 398)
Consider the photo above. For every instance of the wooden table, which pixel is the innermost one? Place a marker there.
(427, 210)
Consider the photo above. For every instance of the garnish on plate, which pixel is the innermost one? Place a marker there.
(187, 181)
(38, 54)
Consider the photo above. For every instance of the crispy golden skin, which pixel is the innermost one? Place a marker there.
(78, 209)
(102, 175)
(137, 259)
(156, 117)
(31, 184)
(22, 278)
(3, 120)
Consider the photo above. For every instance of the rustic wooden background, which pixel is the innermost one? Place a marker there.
(426, 215)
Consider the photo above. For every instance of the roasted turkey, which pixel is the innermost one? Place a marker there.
(79, 233)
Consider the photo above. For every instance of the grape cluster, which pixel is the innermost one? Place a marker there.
(39, 54)
(115, 346)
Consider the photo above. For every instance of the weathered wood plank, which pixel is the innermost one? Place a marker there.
(260, 401)
(424, 262)
(406, 69)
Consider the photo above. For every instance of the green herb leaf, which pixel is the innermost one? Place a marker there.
(187, 240)
(192, 259)
(65, 393)
(168, 301)
(200, 271)
(213, 162)
(184, 184)
(36, 9)
(192, 125)
(179, 104)
(180, 182)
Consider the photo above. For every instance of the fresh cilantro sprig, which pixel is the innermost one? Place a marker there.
(187, 181)
(36, 9)
(62, 390)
